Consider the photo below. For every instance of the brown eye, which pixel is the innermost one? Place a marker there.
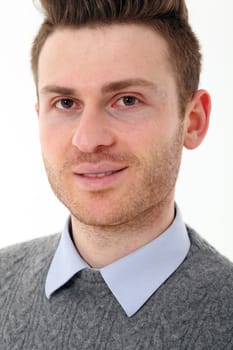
(65, 103)
(129, 100)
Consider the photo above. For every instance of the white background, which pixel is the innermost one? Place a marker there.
(205, 188)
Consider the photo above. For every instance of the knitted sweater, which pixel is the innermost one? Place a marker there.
(192, 310)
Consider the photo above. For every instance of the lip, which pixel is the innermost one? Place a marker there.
(98, 176)
(98, 168)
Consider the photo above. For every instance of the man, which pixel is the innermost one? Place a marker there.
(118, 98)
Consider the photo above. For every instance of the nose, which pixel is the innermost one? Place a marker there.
(93, 131)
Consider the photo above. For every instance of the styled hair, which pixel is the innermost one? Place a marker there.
(169, 18)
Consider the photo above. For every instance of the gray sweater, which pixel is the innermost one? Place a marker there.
(193, 309)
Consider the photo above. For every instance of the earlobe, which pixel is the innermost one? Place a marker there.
(197, 119)
(37, 108)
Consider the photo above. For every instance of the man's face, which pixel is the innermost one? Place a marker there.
(110, 128)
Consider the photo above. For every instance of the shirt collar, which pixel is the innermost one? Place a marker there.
(133, 278)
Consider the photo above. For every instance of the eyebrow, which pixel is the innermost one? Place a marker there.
(109, 87)
(120, 85)
(62, 90)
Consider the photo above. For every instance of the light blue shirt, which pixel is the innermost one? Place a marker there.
(133, 278)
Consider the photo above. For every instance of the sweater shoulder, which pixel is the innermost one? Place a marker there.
(36, 253)
(207, 264)
(200, 245)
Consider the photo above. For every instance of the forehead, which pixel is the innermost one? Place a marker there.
(113, 52)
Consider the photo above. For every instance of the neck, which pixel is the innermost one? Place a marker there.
(100, 246)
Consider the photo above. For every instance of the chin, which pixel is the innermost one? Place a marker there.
(96, 218)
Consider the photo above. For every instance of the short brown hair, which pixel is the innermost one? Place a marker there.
(168, 17)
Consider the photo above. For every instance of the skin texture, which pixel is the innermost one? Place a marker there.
(108, 105)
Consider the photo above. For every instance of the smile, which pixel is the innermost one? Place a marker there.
(100, 180)
(107, 173)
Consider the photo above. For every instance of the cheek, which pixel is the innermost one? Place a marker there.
(146, 136)
(54, 141)
(150, 141)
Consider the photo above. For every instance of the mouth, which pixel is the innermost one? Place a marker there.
(101, 175)
(100, 180)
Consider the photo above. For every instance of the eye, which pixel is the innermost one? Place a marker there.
(127, 101)
(65, 103)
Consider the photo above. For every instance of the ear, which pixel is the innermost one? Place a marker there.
(37, 108)
(197, 119)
